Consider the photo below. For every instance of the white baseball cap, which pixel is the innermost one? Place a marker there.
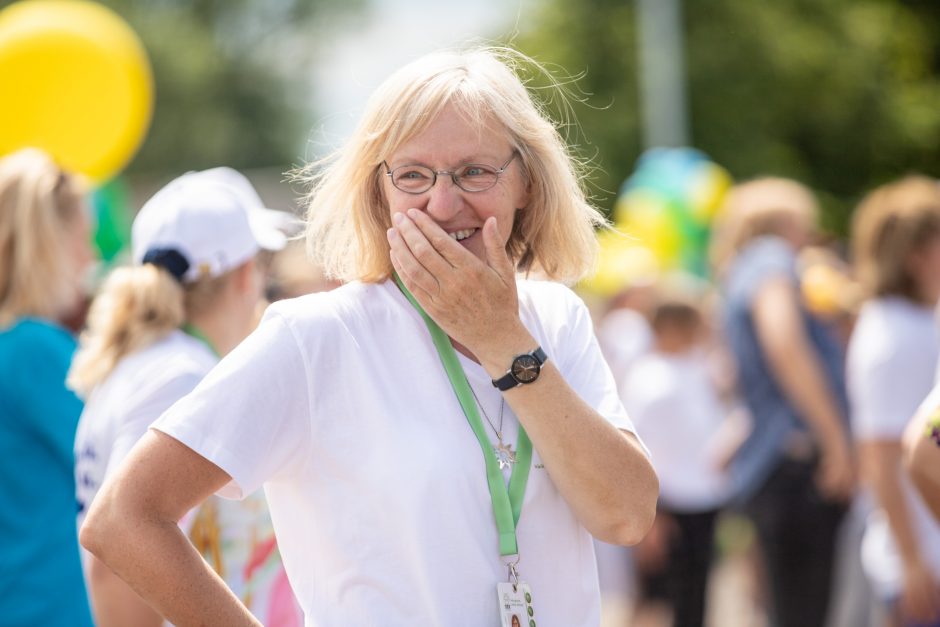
(206, 223)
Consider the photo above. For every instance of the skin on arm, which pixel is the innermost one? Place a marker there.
(602, 472)
(114, 603)
(881, 471)
(922, 461)
(796, 368)
(132, 528)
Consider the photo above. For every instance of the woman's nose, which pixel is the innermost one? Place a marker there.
(444, 199)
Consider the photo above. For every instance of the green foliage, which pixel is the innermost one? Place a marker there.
(841, 94)
(230, 79)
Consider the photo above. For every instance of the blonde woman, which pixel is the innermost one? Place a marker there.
(385, 472)
(155, 330)
(794, 472)
(892, 362)
(44, 252)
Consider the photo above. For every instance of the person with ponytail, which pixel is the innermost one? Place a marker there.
(153, 332)
(44, 253)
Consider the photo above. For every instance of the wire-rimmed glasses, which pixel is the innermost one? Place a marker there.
(472, 177)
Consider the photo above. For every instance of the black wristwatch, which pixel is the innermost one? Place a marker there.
(525, 368)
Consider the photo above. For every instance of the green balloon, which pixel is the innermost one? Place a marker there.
(113, 233)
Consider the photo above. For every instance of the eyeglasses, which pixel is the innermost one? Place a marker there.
(472, 177)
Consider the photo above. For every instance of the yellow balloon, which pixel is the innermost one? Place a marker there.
(650, 223)
(75, 81)
(621, 262)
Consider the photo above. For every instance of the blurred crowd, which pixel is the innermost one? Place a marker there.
(773, 397)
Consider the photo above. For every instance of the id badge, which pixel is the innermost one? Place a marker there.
(515, 605)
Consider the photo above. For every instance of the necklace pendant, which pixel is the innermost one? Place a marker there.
(504, 455)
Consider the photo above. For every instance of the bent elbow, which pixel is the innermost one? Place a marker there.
(90, 534)
(631, 531)
(634, 523)
(102, 526)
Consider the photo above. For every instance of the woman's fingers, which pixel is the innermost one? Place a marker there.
(427, 244)
(415, 275)
(447, 247)
(496, 254)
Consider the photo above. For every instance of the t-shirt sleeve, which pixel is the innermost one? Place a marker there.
(251, 415)
(880, 410)
(584, 368)
(137, 418)
(763, 259)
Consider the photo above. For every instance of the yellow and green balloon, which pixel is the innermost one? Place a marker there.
(664, 215)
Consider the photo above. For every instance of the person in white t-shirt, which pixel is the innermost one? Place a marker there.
(891, 364)
(671, 396)
(385, 473)
(155, 330)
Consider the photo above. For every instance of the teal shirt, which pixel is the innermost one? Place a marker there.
(41, 580)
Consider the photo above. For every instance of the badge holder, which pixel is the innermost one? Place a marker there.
(515, 597)
(515, 600)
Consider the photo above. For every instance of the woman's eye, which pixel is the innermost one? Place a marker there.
(412, 175)
(475, 170)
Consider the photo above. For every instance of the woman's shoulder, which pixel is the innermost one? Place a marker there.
(892, 316)
(41, 337)
(349, 297)
(888, 329)
(545, 292)
(173, 356)
(554, 311)
(344, 312)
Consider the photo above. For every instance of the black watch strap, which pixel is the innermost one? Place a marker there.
(509, 380)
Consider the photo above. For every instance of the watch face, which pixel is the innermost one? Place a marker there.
(525, 368)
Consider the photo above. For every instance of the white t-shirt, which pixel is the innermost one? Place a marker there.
(624, 335)
(677, 412)
(890, 370)
(339, 405)
(120, 410)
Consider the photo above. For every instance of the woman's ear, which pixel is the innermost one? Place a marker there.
(244, 276)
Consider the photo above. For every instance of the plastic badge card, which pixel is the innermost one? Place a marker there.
(515, 605)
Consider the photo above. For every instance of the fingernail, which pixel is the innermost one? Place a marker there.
(391, 234)
(397, 217)
(413, 213)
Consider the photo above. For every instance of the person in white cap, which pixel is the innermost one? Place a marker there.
(154, 331)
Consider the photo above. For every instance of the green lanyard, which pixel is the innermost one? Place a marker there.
(507, 504)
(192, 331)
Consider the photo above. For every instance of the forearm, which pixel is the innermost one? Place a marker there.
(881, 471)
(160, 564)
(800, 375)
(132, 528)
(114, 603)
(922, 461)
(602, 473)
(794, 363)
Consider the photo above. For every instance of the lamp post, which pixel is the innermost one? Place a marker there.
(662, 73)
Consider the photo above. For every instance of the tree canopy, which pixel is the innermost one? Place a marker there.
(842, 95)
(231, 79)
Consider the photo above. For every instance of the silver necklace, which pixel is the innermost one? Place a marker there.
(504, 453)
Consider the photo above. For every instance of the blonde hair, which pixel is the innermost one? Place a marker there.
(137, 306)
(763, 206)
(889, 224)
(348, 215)
(38, 203)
